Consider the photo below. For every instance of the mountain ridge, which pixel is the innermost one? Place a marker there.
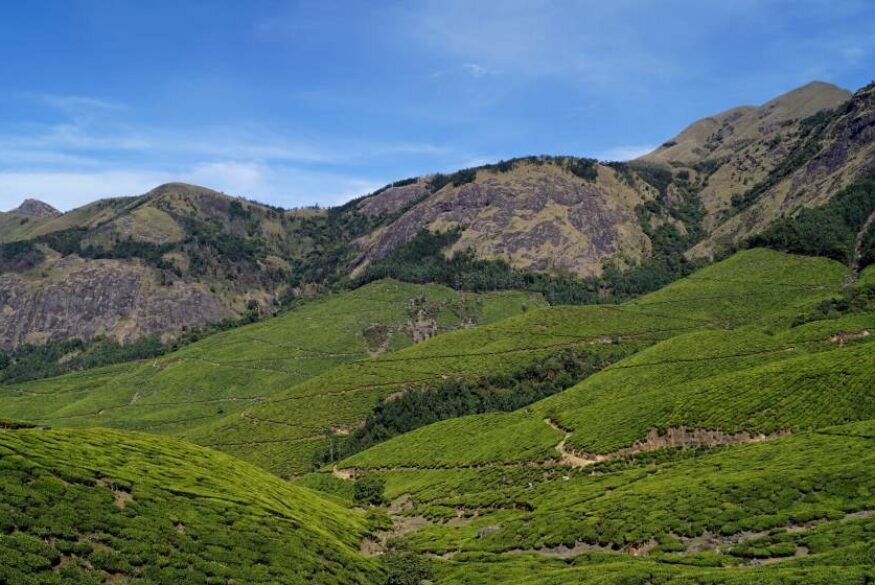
(724, 179)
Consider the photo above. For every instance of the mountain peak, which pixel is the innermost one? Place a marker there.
(35, 208)
(718, 135)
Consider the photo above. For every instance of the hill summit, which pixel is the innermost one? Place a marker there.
(35, 208)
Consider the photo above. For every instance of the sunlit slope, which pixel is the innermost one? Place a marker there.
(793, 510)
(283, 432)
(223, 373)
(738, 452)
(730, 382)
(743, 490)
(98, 505)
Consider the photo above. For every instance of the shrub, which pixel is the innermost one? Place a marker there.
(369, 490)
(405, 567)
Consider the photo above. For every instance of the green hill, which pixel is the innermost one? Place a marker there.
(775, 287)
(101, 506)
(242, 390)
(718, 430)
(218, 377)
(736, 452)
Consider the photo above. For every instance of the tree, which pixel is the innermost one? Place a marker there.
(405, 567)
(369, 490)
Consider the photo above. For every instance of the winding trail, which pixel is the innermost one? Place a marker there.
(567, 457)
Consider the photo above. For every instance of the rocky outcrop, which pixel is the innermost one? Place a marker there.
(80, 298)
(536, 216)
(393, 199)
(35, 208)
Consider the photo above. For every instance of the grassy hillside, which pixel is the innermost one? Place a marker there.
(736, 452)
(774, 287)
(727, 437)
(101, 506)
(219, 376)
(243, 391)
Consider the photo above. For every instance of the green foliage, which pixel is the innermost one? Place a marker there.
(31, 362)
(368, 490)
(830, 230)
(667, 261)
(657, 176)
(404, 566)
(98, 506)
(459, 397)
(19, 256)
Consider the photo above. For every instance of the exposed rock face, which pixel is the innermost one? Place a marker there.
(98, 297)
(842, 152)
(35, 208)
(538, 217)
(393, 199)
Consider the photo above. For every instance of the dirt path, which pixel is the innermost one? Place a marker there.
(568, 457)
(674, 437)
(858, 251)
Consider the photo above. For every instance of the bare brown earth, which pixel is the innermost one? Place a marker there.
(673, 438)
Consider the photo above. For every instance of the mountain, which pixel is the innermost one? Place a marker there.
(175, 258)
(35, 208)
(538, 213)
(830, 151)
(182, 257)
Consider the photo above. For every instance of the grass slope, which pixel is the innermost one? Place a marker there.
(495, 498)
(95, 506)
(281, 436)
(222, 374)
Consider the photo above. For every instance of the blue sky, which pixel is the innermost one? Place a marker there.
(305, 102)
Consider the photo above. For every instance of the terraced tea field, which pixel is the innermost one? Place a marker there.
(222, 374)
(281, 436)
(103, 506)
(730, 440)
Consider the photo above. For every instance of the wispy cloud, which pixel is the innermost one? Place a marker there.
(73, 104)
(86, 157)
(587, 42)
(289, 187)
(475, 69)
(624, 152)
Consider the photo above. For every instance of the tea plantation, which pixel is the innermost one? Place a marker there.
(720, 430)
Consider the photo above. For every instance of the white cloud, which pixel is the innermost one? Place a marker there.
(625, 152)
(474, 69)
(289, 187)
(66, 190)
(76, 103)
